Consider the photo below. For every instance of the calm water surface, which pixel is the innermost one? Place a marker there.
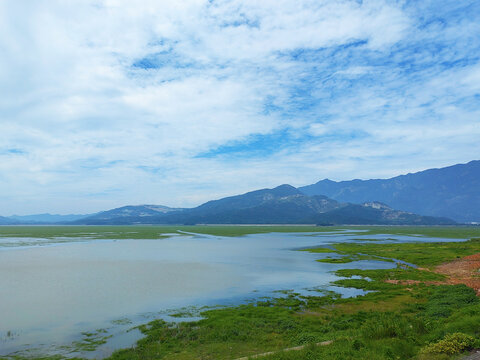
(52, 291)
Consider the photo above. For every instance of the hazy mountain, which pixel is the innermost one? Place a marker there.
(6, 221)
(375, 213)
(281, 205)
(47, 218)
(452, 192)
(127, 214)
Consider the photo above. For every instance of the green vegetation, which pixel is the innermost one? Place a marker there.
(451, 344)
(155, 231)
(448, 232)
(343, 259)
(145, 231)
(91, 340)
(350, 258)
(420, 254)
(360, 328)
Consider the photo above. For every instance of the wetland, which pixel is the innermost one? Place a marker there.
(223, 292)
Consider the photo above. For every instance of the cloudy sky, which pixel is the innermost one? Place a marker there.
(108, 102)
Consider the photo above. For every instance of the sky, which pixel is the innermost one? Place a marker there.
(106, 103)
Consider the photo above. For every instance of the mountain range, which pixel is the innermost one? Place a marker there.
(45, 218)
(441, 196)
(281, 205)
(452, 192)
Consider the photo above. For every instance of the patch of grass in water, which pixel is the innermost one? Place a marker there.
(319, 250)
(90, 340)
(421, 254)
(449, 232)
(124, 321)
(350, 258)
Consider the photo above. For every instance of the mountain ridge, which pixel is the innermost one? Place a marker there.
(280, 205)
(452, 191)
(46, 218)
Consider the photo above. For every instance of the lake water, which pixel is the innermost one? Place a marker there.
(52, 291)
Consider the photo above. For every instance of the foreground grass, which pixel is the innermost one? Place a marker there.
(397, 328)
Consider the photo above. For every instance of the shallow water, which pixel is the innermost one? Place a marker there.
(52, 291)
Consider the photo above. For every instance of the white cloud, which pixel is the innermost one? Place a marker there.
(92, 130)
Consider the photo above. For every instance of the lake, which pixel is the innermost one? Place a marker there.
(58, 296)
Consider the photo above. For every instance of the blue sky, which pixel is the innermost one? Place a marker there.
(113, 102)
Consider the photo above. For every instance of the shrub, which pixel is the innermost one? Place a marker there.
(451, 344)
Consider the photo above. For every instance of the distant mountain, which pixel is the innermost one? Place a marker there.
(452, 192)
(248, 200)
(375, 213)
(6, 221)
(127, 214)
(46, 218)
(281, 205)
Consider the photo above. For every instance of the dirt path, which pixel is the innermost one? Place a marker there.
(296, 348)
(475, 355)
(463, 271)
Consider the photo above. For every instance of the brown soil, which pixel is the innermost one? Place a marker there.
(413, 282)
(463, 271)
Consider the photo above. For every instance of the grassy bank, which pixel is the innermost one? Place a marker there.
(420, 254)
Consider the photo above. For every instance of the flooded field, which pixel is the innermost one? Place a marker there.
(84, 296)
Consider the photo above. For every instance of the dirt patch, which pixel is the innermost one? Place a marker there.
(296, 348)
(414, 282)
(463, 271)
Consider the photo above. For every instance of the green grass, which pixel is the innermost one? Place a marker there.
(145, 231)
(341, 259)
(448, 232)
(420, 254)
(157, 231)
(273, 325)
(349, 258)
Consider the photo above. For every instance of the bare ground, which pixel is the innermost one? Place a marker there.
(462, 271)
